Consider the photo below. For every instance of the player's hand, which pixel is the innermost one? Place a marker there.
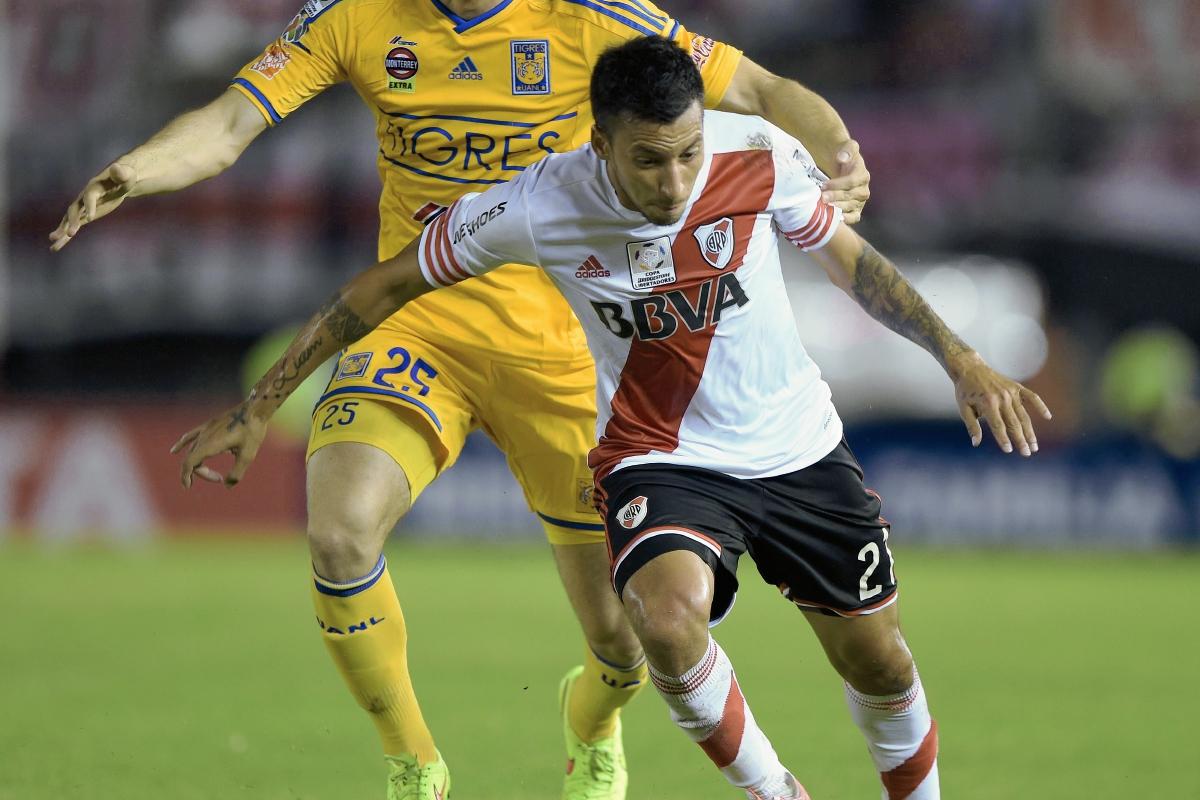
(850, 188)
(103, 193)
(983, 393)
(237, 431)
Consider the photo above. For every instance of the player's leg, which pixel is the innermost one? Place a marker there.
(356, 494)
(675, 572)
(371, 453)
(614, 668)
(885, 698)
(544, 420)
(827, 550)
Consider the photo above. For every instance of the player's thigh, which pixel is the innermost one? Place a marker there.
(583, 569)
(420, 384)
(652, 511)
(356, 493)
(545, 422)
(823, 543)
(868, 651)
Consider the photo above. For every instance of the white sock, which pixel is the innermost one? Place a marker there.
(708, 705)
(902, 738)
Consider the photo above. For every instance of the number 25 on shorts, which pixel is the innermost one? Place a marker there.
(339, 414)
(420, 369)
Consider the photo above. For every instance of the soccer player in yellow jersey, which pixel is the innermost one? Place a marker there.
(465, 93)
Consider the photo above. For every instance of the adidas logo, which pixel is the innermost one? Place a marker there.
(466, 71)
(592, 269)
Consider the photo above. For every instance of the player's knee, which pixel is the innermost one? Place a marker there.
(882, 669)
(345, 543)
(670, 616)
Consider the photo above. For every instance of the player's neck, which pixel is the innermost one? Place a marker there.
(469, 9)
(622, 196)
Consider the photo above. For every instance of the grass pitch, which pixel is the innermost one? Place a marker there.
(195, 671)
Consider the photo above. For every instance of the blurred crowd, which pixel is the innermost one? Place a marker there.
(1059, 139)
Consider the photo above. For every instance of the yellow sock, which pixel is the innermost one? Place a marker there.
(599, 694)
(364, 631)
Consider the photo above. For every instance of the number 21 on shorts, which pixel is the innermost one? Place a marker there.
(870, 553)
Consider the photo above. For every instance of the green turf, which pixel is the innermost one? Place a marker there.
(195, 671)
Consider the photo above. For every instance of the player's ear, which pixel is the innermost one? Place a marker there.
(599, 142)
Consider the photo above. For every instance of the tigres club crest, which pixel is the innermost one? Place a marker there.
(716, 242)
(530, 66)
(633, 513)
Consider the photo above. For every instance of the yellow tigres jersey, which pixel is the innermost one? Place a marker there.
(460, 105)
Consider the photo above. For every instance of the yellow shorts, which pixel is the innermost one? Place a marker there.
(417, 402)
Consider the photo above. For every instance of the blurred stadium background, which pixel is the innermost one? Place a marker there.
(1036, 171)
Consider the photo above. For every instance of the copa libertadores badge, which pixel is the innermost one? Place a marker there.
(716, 242)
(633, 513)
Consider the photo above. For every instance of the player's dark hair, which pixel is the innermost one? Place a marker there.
(649, 78)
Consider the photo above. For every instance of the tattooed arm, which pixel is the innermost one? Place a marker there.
(353, 312)
(883, 292)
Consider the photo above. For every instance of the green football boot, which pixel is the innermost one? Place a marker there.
(595, 771)
(409, 781)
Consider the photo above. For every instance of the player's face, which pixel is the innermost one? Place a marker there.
(653, 167)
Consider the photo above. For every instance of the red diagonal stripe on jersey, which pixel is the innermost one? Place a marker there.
(660, 377)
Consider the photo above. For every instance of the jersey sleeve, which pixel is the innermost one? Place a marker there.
(300, 64)
(617, 22)
(800, 212)
(716, 61)
(477, 234)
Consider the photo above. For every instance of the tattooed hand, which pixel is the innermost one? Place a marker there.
(238, 431)
(983, 393)
(884, 293)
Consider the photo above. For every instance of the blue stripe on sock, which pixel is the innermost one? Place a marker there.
(350, 588)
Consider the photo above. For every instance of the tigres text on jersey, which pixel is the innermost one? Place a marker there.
(461, 105)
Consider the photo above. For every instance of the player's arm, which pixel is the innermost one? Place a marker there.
(350, 314)
(193, 147)
(807, 116)
(881, 289)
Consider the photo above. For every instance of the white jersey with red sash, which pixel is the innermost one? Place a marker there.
(698, 362)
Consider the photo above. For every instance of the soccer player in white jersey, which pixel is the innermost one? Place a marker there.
(717, 435)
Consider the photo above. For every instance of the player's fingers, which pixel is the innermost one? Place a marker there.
(972, 422)
(209, 474)
(846, 155)
(73, 216)
(90, 196)
(1032, 398)
(59, 237)
(123, 176)
(853, 186)
(1013, 425)
(1025, 422)
(184, 440)
(243, 456)
(995, 421)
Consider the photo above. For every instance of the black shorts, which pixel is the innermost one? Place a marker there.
(815, 533)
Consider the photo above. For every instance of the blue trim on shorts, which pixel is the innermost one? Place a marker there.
(576, 526)
(385, 393)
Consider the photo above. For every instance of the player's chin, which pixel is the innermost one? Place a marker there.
(664, 215)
